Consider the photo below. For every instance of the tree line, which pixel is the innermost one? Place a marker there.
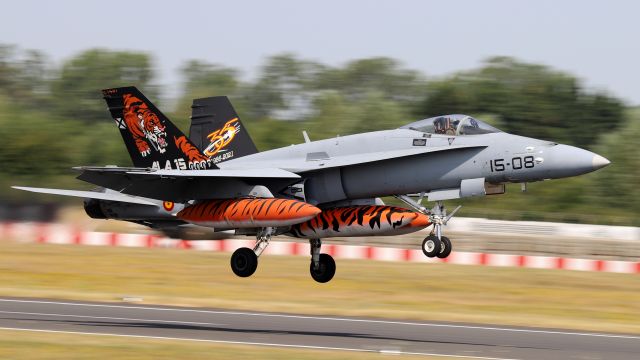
(53, 117)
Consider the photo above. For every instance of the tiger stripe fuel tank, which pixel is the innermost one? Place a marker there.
(361, 221)
(248, 213)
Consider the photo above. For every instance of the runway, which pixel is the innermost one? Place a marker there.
(312, 332)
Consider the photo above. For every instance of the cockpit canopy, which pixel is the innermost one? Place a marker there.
(456, 124)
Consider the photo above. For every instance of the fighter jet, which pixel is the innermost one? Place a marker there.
(217, 180)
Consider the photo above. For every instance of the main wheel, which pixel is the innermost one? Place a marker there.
(325, 270)
(446, 247)
(244, 262)
(431, 246)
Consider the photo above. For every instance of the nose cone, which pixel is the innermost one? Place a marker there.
(599, 162)
(572, 161)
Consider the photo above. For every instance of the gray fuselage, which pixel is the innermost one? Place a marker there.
(402, 161)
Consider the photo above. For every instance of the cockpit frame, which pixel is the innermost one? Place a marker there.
(452, 125)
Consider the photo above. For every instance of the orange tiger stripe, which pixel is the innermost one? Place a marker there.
(248, 212)
(361, 221)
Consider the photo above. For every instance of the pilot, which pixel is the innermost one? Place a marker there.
(444, 125)
(439, 125)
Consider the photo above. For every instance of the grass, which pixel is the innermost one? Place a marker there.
(547, 298)
(26, 345)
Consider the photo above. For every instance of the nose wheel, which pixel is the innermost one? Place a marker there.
(322, 267)
(439, 218)
(431, 246)
(445, 248)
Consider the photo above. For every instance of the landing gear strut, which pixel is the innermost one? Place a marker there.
(322, 267)
(244, 261)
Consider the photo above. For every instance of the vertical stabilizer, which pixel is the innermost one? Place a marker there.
(217, 131)
(151, 139)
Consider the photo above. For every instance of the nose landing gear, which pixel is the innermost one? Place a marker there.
(438, 216)
(434, 245)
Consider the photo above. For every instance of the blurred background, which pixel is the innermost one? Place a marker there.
(564, 72)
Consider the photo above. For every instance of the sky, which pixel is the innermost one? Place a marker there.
(594, 40)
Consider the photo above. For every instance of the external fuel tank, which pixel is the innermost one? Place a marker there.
(248, 213)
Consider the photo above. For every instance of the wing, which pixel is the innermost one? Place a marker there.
(184, 185)
(109, 195)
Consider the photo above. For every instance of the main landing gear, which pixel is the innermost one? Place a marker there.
(434, 245)
(322, 267)
(244, 261)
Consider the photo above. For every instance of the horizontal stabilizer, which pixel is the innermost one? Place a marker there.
(110, 196)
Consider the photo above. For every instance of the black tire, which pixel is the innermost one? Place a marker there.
(325, 270)
(244, 262)
(446, 247)
(431, 246)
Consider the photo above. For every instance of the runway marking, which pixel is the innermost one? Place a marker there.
(110, 318)
(291, 346)
(307, 317)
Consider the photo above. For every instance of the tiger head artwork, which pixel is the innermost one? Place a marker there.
(144, 125)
